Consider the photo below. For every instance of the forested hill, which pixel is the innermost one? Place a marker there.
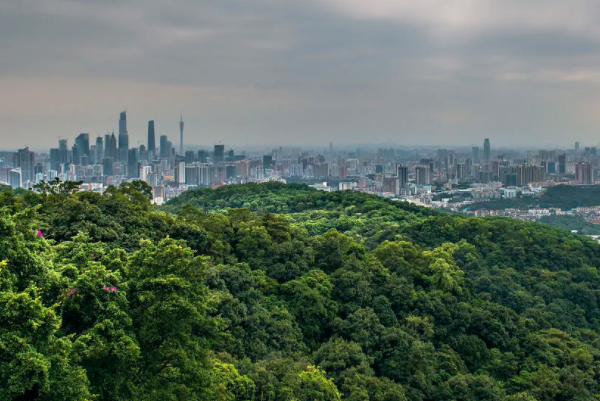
(271, 292)
(565, 197)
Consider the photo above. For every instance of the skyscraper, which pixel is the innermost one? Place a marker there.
(107, 166)
(181, 136)
(83, 144)
(76, 154)
(584, 173)
(487, 153)
(63, 152)
(123, 137)
(475, 154)
(219, 154)
(54, 159)
(110, 147)
(422, 175)
(151, 138)
(133, 168)
(163, 147)
(26, 161)
(99, 150)
(402, 176)
(562, 164)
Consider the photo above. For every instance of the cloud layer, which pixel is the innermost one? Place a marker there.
(281, 72)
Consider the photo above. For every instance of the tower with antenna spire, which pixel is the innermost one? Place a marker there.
(181, 135)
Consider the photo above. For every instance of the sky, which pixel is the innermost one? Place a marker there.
(280, 72)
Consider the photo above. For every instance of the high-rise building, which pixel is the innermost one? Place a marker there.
(461, 171)
(180, 173)
(475, 154)
(584, 173)
(163, 147)
(577, 147)
(527, 174)
(203, 156)
(123, 137)
(170, 150)
(107, 166)
(562, 164)
(402, 176)
(191, 175)
(181, 136)
(63, 152)
(189, 156)
(106, 145)
(267, 163)
(54, 158)
(99, 150)
(487, 152)
(468, 166)
(26, 161)
(151, 138)
(133, 168)
(15, 179)
(83, 144)
(111, 147)
(143, 153)
(75, 155)
(422, 175)
(219, 154)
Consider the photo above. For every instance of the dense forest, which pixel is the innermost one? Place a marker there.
(565, 197)
(280, 292)
(572, 223)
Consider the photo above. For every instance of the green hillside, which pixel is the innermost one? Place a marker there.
(272, 292)
(565, 197)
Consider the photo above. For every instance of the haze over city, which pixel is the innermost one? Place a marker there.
(266, 72)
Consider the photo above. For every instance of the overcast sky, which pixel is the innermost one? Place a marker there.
(447, 72)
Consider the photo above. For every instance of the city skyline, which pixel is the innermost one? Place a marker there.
(148, 139)
(416, 73)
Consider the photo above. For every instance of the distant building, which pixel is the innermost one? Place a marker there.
(180, 173)
(181, 136)
(123, 138)
(133, 168)
(151, 138)
(26, 162)
(562, 164)
(422, 176)
(164, 151)
(487, 152)
(402, 176)
(99, 150)
(83, 145)
(584, 174)
(475, 154)
(15, 178)
(218, 154)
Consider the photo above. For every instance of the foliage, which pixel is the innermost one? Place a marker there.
(572, 223)
(564, 197)
(273, 292)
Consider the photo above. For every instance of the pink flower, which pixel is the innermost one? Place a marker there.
(71, 292)
(40, 234)
(93, 256)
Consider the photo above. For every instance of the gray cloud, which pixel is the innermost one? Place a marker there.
(280, 72)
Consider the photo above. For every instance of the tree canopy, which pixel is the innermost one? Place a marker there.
(272, 292)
